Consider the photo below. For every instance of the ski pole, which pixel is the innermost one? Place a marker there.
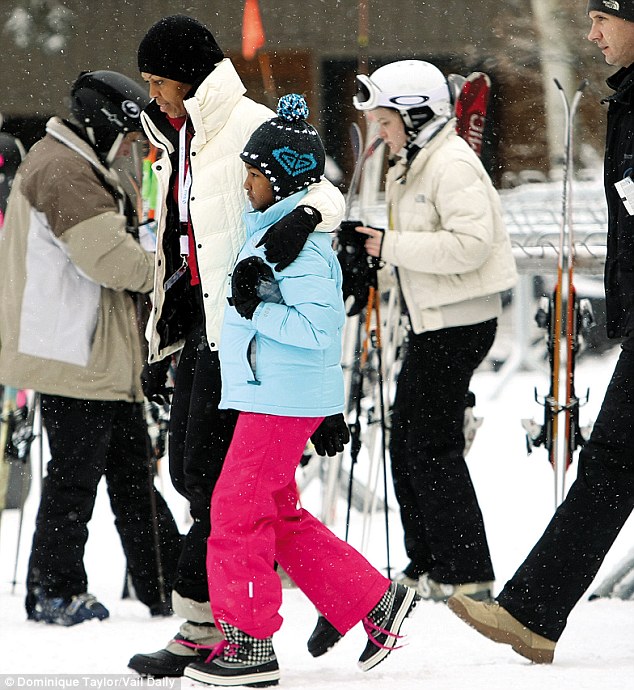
(4, 430)
(356, 393)
(379, 354)
(373, 336)
(155, 529)
(24, 458)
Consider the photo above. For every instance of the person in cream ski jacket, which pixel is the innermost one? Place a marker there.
(447, 244)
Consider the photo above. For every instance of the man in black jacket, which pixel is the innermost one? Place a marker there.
(531, 612)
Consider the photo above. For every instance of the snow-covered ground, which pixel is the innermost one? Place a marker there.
(516, 494)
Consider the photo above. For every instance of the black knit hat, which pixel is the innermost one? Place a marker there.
(619, 8)
(287, 149)
(179, 48)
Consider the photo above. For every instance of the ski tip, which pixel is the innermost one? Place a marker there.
(479, 76)
(455, 82)
(582, 84)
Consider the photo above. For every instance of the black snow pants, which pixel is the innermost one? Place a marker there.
(89, 439)
(442, 522)
(563, 563)
(199, 437)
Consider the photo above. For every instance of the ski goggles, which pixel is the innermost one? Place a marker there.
(369, 96)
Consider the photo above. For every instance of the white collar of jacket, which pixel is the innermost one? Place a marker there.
(209, 109)
(402, 167)
(65, 135)
(214, 100)
(426, 134)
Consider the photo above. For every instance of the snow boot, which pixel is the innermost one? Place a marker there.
(408, 577)
(323, 638)
(430, 590)
(495, 622)
(384, 622)
(238, 660)
(163, 609)
(67, 612)
(192, 643)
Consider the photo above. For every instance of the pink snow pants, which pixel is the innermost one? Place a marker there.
(256, 520)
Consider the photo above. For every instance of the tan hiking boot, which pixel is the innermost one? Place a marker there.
(430, 590)
(495, 622)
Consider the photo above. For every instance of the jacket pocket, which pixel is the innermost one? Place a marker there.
(248, 359)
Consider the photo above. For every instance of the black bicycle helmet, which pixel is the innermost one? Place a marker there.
(107, 105)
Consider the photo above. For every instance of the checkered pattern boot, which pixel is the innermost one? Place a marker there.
(238, 660)
(383, 624)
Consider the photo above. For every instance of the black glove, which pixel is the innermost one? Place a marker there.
(247, 275)
(154, 380)
(285, 239)
(331, 435)
(357, 266)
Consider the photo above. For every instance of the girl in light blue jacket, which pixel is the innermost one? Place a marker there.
(285, 358)
(279, 357)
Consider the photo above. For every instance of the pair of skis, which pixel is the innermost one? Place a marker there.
(565, 317)
(363, 345)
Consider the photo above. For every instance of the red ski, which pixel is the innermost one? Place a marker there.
(471, 108)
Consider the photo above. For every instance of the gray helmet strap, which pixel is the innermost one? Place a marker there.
(112, 153)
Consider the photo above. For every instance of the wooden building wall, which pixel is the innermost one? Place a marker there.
(313, 48)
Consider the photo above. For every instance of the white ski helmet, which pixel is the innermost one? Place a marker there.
(417, 90)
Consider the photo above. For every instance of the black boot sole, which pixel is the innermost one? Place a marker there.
(161, 664)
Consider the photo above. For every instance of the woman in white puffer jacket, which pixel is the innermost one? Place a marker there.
(451, 254)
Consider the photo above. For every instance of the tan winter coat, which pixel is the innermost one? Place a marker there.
(223, 120)
(67, 322)
(447, 237)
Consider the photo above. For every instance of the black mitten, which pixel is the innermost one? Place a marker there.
(284, 240)
(244, 285)
(357, 267)
(154, 381)
(331, 435)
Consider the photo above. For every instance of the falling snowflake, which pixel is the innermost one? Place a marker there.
(40, 23)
